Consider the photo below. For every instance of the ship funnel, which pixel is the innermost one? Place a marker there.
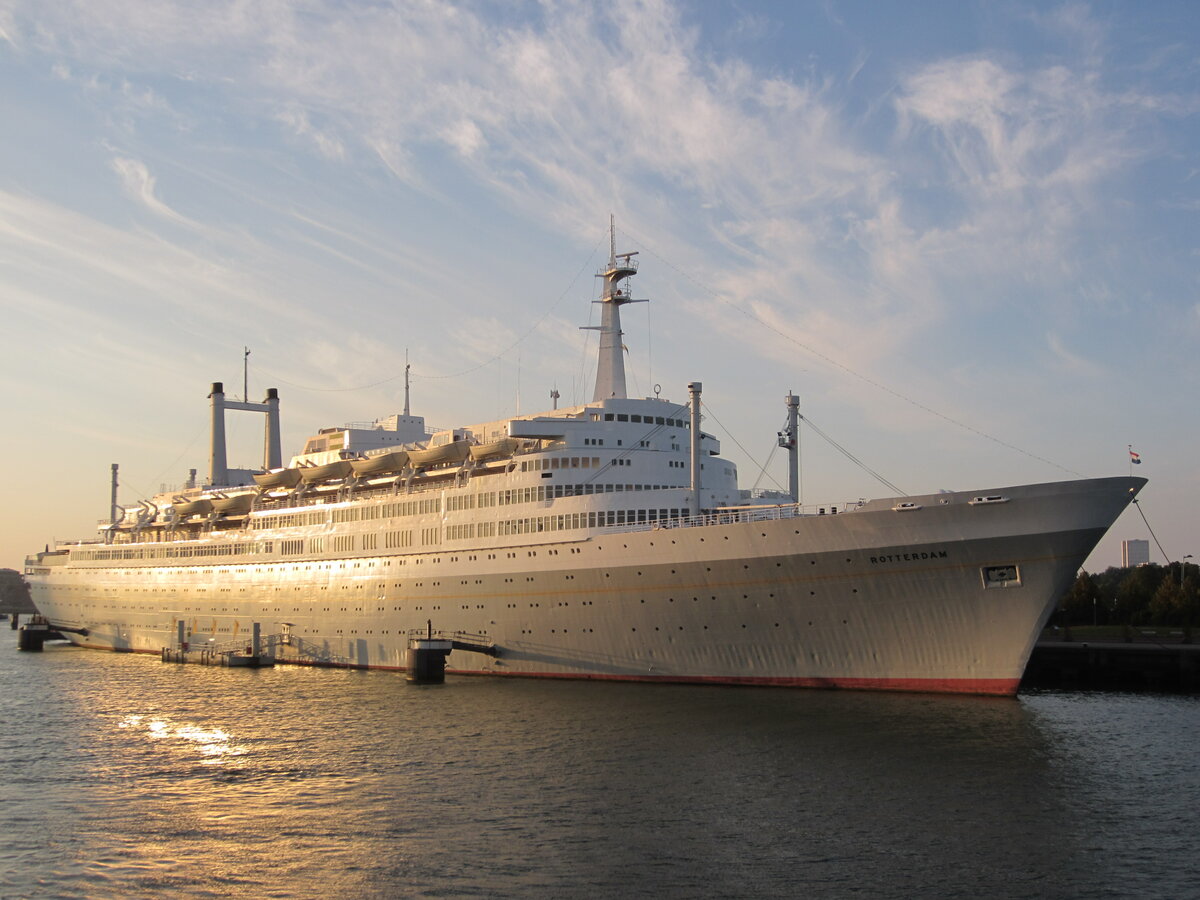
(218, 470)
(272, 451)
(694, 389)
(218, 467)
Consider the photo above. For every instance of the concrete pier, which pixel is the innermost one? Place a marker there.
(233, 654)
(1103, 666)
(207, 657)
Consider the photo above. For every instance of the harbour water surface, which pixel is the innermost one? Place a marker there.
(123, 776)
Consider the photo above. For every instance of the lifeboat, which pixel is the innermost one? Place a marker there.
(235, 505)
(201, 506)
(383, 464)
(453, 452)
(278, 478)
(327, 472)
(503, 447)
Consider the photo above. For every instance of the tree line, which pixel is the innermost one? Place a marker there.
(1140, 595)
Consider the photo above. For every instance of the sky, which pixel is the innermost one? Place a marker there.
(964, 233)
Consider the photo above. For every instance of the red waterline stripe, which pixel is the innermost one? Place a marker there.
(999, 687)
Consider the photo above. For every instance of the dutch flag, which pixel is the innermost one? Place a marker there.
(1134, 458)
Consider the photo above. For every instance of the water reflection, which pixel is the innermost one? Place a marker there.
(145, 780)
(213, 743)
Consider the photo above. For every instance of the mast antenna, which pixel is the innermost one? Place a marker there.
(406, 368)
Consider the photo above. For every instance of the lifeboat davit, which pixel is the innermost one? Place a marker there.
(383, 464)
(338, 469)
(233, 505)
(278, 478)
(503, 447)
(453, 452)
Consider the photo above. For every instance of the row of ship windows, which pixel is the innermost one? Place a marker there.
(194, 630)
(395, 510)
(483, 500)
(379, 607)
(560, 462)
(648, 420)
(429, 537)
(206, 612)
(419, 584)
(296, 567)
(428, 506)
(194, 625)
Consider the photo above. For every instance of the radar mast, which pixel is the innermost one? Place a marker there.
(610, 366)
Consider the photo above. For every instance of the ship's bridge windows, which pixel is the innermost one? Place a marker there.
(622, 417)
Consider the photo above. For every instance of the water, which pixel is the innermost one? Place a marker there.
(125, 777)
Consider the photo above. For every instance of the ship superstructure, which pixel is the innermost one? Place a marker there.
(604, 540)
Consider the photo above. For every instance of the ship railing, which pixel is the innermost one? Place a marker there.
(303, 651)
(463, 636)
(234, 647)
(735, 516)
(459, 640)
(377, 426)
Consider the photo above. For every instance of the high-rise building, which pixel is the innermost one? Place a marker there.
(1135, 553)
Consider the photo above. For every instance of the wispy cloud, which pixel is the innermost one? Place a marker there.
(140, 275)
(298, 123)
(1071, 361)
(139, 184)
(756, 181)
(6, 28)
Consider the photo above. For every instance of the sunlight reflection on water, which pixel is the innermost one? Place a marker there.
(214, 743)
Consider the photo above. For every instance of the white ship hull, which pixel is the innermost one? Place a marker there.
(943, 593)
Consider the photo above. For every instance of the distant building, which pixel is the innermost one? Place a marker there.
(1135, 553)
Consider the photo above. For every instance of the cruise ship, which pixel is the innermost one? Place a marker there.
(608, 540)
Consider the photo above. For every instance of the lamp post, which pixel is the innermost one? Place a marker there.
(1182, 565)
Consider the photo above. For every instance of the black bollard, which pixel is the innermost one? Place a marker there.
(426, 661)
(31, 639)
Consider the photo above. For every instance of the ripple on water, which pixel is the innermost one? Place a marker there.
(138, 779)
